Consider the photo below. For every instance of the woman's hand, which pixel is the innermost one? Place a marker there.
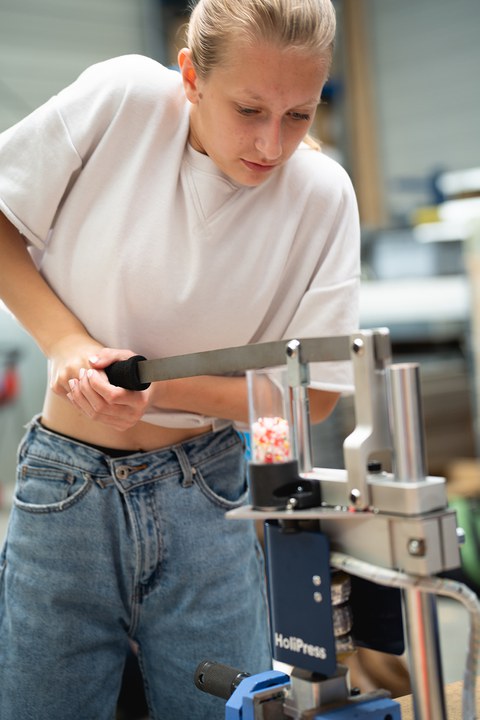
(82, 381)
(67, 357)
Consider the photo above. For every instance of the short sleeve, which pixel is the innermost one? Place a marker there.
(41, 156)
(37, 163)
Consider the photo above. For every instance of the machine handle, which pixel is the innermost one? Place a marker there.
(217, 679)
(125, 373)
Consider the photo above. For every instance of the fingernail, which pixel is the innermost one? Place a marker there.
(81, 373)
(72, 384)
(89, 373)
(93, 359)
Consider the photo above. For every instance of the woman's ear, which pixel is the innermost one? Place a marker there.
(189, 75)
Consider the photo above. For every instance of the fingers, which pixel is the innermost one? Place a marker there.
(95, 397)
(66, 363)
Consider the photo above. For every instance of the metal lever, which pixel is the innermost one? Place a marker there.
(299, 378)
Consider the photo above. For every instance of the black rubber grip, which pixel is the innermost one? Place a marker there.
(218, 679)
(124, 374)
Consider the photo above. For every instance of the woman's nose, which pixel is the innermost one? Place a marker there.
(269, 140)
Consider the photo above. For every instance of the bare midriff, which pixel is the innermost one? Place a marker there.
(58, 415)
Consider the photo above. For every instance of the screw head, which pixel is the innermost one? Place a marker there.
(292, 348)
(291, 503)
(417, 547)
(358, 346)
(355, 496)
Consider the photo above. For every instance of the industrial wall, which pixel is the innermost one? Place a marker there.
(425, 61)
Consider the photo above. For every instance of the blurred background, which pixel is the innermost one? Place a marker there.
(401, 112)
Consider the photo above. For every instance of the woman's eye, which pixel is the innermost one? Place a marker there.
(300, 116)
(247, 111)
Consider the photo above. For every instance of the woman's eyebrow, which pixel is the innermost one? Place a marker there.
(257, 98)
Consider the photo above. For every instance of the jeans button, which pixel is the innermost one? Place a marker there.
(122, 472)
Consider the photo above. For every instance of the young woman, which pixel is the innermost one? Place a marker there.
(155, 212)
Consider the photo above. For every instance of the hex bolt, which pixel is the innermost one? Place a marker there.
(317, 596)
(317, 580)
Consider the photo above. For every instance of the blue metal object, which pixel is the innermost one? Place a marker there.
(241, 704)
(378, 709)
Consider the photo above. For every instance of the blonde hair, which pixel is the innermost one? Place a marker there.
(307, 25)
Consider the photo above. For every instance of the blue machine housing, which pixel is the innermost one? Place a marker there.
(242, 703)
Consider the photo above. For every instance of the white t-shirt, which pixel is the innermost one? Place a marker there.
(154, 249)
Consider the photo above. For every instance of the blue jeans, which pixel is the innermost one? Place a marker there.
(103, 551)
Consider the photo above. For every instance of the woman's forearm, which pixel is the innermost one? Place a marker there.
(225, 397)
(23, 290)
(211, 395)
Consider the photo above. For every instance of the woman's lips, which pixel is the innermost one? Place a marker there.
(257, 167)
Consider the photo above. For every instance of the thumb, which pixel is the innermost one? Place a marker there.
(106, 356)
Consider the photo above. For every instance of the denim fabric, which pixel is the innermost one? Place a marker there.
(103, 550)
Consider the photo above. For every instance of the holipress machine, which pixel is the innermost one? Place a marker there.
(353, 555)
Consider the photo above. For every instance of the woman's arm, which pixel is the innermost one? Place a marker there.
(226, 397)
(58, 333)
(209, 395)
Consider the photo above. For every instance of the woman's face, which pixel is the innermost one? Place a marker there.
(250, 114)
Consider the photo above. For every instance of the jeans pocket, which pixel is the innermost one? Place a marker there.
(49, 487)
(222, 479)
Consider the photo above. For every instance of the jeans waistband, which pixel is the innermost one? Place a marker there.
(45, 445)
